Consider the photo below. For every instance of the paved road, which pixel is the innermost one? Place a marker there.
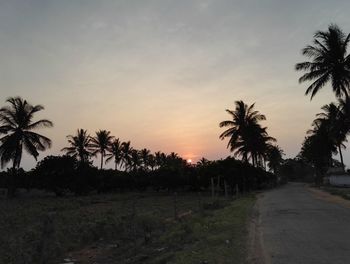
(298, 227)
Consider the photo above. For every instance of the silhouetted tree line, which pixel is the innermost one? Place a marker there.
(65, 174)
(133, 169)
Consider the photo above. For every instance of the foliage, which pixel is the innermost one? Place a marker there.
(79, 146)
(17, 125)
(247, 138)
(330, 62)
(55, 173)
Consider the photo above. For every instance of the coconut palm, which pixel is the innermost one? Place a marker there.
(344, 108)
(274, 157)
(126, 153)
(100, 143)
(144, 155)
(79, 146)
(151, 161)
(135, 159)
(16, 122)
(160, 159)
(334, 119)
(115, 152)
(317, 149)
(330, 62)
(17, 125)
(242, 128)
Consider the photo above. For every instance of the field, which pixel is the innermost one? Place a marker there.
(124, 228)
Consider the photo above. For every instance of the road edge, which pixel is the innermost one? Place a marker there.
(256, 250)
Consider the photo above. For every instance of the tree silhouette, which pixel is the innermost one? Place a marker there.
(274, 157)
(126, 155)
(334, 119)
(244, 131)
(79, 146)
(115, 152)
(135, 159)
(330, 62)
(145, 157)
(16, 122)
(101, 143)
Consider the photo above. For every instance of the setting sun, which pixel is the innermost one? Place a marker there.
(189, 161)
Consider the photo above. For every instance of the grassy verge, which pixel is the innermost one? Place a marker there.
(124, 228)
(342, 192)
(218, 238)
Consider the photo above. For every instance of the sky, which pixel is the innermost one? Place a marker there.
(161, 73)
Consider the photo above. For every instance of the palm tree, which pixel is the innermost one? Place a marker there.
(330, 62)
(317, 149)
(17, 125)
(244, 122)
(126, 153)
(115, 153)
(160, 159)
(101, 143)
(257, 143)
(151, 161)
(274, 157)
(16, 122)
(334, 119)
(79, 146)
(344, 107)
(144, 155)
(135, 159)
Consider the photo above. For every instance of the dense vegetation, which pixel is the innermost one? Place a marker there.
(133, 169)
(330, 64)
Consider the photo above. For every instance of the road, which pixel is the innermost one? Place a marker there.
(297, 225)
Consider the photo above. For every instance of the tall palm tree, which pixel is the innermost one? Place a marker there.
(334, 119)
(101, 143)
(257, 143)
(151, 161)
(317, 149)
(126, 154)
(274, 157)
(244, 122)
(160, 159)
(330, 62)
(79, 146)
(115, 152)
(144, 155)
(135, 159)
(344, 108)
(16, 122)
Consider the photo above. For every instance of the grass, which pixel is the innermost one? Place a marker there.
(124, 228)
(342, 192)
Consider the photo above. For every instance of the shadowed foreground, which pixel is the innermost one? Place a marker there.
(301, 226)
(124, 228)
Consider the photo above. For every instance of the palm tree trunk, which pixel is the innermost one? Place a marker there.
(101, 160)
(341, 157)
(12, 182)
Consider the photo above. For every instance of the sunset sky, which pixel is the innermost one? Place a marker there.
(161, 73)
